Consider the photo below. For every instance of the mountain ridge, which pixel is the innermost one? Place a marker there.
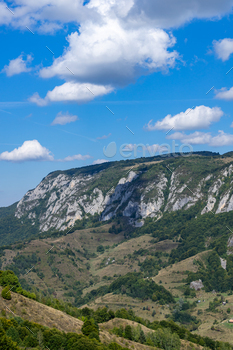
(138, 189)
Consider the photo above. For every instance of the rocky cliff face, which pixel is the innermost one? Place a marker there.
(62, 198)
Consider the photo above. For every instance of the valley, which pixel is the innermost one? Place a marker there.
(133, 251)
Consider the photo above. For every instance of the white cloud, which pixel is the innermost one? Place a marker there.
(117, 42)
(33, 151)
(30, 150)
(223, 48)
(170, 13)
(51, 15)
(106, 53)
(35, 98)
(104, 137)
(196, 138)
(153, 149)
(46, 16)
(75, 157)
(17, 66)
(71, 92)
(222, 139)
(111, 54)
(201, 138)
(100, 161)
(200, 117)
(225, 94)
(63, 119)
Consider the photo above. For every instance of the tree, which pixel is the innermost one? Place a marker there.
(8, 278)
(89, 327)
(128, 332)
(6, 294)
(13, 334)
(142, 337)
(7, 343)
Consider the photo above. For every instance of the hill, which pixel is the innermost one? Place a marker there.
(20, 316)
(165, 223)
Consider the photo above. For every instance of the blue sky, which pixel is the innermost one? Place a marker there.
(148, 62)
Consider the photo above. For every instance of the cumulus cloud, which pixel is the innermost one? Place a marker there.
(225, 94)
(196, 138)
(201, 138)
(200, 117)
(106, 53)
(71, 92)
(17, 66)
(100, 161)
(29, 151)
(63, 119)
(33, 151)
(223, 48)
(109, 53)
(117, 41)
(46, 17)
(170, 13)
(52, 14)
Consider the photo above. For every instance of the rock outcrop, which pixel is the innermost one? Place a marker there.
(197, 285)
(64, 197)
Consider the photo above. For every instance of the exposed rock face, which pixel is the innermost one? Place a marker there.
(64, 197)
(197, 285)
(223, 263)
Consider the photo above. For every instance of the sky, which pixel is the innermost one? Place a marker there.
(102, 80)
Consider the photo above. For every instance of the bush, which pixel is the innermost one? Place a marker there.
(100, 249)
(94, 335)
(89, 327)
(6, 294)
(128, 332)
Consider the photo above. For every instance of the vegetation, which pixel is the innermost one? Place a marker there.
(10, 281)
(132, 284)
(6, 294)
(213, 276)
(17, 333)
(185, 226)
(161, 338)
(85, 271)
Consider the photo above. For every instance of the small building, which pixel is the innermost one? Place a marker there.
(231, 320)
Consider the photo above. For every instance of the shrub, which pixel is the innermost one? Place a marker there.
(89, 327)
(100, 249)
(6, 294)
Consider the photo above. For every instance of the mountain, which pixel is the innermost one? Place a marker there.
(134, 189)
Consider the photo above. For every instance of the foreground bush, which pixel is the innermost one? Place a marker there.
(6, 294)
